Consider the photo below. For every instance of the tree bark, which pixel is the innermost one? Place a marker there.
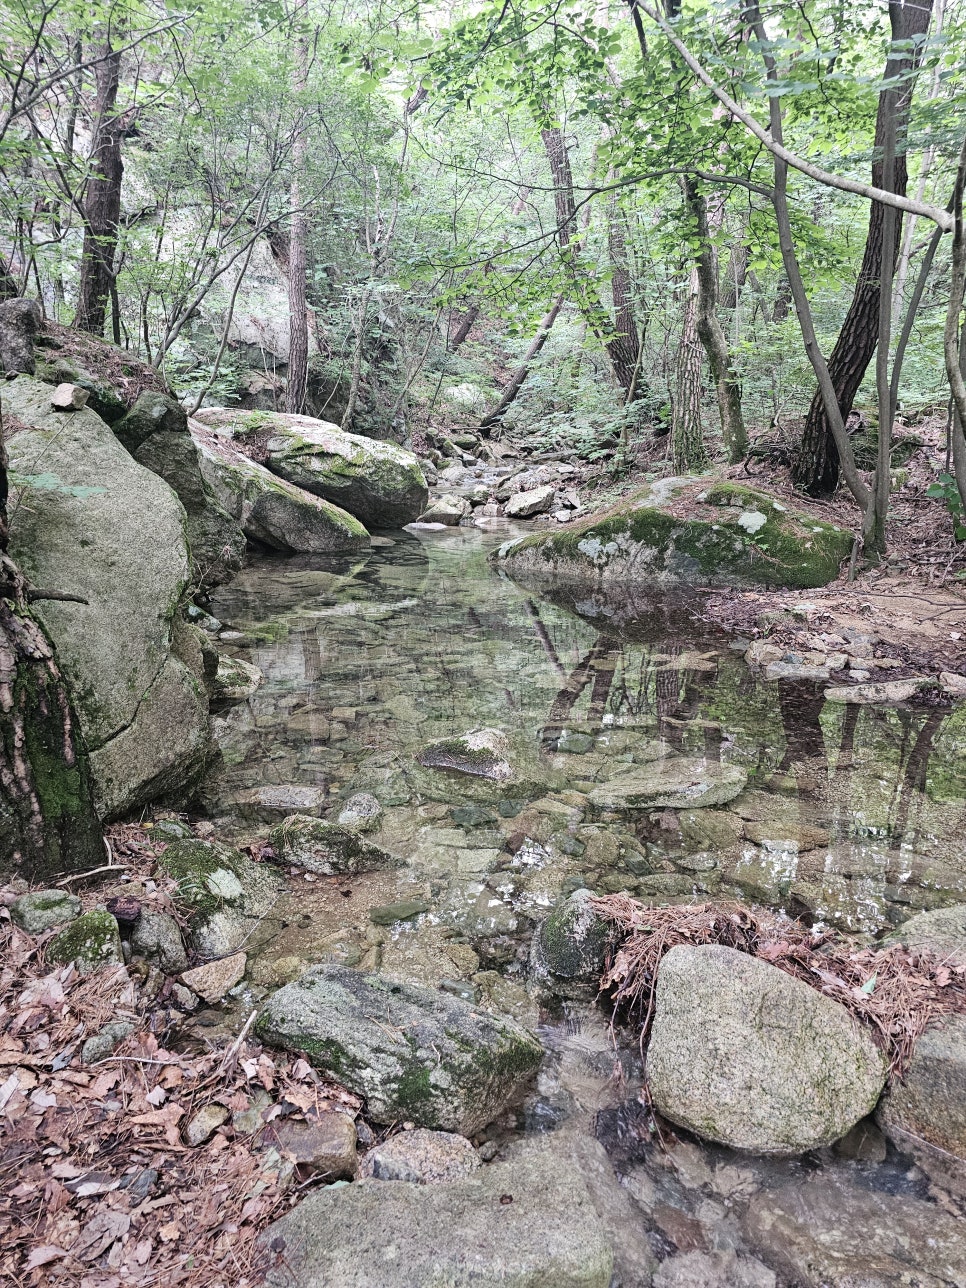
(816, 470)
(102, 198)
(687, 439)
(465, 327)
(521, 373)
(726, 382)
(298, 354)
(627, 339)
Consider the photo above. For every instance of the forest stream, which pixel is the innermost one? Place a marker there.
(852, 816)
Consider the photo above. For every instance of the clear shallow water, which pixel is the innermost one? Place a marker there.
(853, 816)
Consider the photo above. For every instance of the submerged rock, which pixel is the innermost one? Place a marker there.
(236, 679)
(481, 753)
(827, 1232)
(380, 483)
(230, 895)
(677, 783)
(362, 812)
(90, 942)
(416, 1054)
(746, 1055)
(569, 947)
(270, 510)
(328, 848)
(517, 1223)
(44, 910)
(421, 1156)
(684, 532)
(133, 665)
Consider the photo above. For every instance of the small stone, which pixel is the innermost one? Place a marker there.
(388, 914)
(954, 685)
(325, 1145)
(329, 848)
(183, 997)
(562, 516)
(886, 692)
(361, 812)
(421, 1156)
(204, 1124)
(103, 1043)
(236, 679)
(265, 804)
(157, 937)
(865, 1143)
(248, 1120)
(569, 947)
(67, 397)
(524, 505)
(447, 510)
(213, 980)
(91, 941)
(42, 910)
(728, 1269)
(140, 1184)
(171, 829)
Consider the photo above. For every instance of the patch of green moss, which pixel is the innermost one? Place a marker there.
(90, 941)
(195, 865)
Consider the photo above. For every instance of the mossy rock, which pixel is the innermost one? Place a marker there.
(328, 848)
(569, 948)
(682, 533)
(229, 894)
(101, 397)
(90, 942)
(417, 1054)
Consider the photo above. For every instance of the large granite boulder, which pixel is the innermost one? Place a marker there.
(515, 1224)
(155, 432)
(687, 532)
(89, 521)
(380, 483)
(416, 1054)
(271, 511)
(747, 1055)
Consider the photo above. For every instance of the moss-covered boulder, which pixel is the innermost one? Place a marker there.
(418, 1055)
(569, 948)
(90, 521)
(380, 483)
(271, 511)
(43, 910)
(328, 848)
(230, 895)
(687, 532)
(90, 942)
(744, 1054)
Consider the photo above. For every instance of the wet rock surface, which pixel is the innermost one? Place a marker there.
(424, 1157)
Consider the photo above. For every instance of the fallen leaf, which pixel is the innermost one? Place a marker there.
(42, 1255)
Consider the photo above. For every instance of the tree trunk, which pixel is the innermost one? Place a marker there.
(47, 820)
(621, 353)
(465, 327)
(817, 467)
(102, 199)
(687, 440)
(521, 373)
(626, 354)
(726, 383)
(736, 274)
(298, 354)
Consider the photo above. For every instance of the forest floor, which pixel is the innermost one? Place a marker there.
(154, 1164)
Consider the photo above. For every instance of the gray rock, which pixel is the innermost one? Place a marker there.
(567, 956)
(157, 937)
(941, 931)
(744, 1054)
(827, 1233)
(447, 510)
(524, 505)
(155, 432)
(43, 910)
(266, 804)
(20, 320)
(416, 1054)
(929, 1104)
(362, 812)
(509, 1225)
(422, 1157)
(874, 694)
(90, 942)
(204, 1124)
(380, 483)
(114, 533)
(230, 895)
(328, 848)
(214, 979)
(387, 914)
(103, 1043)
(676, 783)
(236, 679)
(67, 397)
(271, 511)
(713, 1270)
(481, 753)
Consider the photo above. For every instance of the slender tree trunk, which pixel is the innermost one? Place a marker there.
(736, 274)
(687, 438)
(521, 373)
(465, 327)
(298, 354)
(817, 469)
(726, 382)
(102, 199)
(626, 353)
